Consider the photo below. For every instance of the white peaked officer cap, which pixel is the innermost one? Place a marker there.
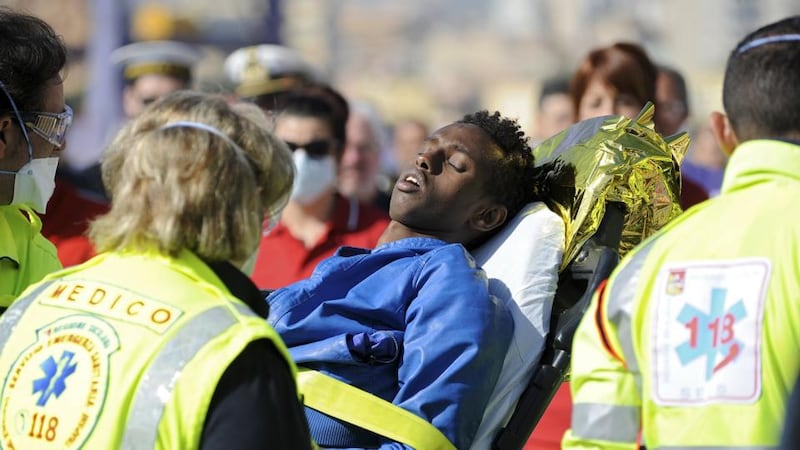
(170, 58)
(267, 69)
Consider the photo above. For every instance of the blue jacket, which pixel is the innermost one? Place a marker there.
(411, 322)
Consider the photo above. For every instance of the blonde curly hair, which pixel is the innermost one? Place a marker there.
(175, 186)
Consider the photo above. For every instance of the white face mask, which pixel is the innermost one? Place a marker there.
(314, 176)
(35, 182)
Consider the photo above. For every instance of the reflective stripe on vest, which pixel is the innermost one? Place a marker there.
(602, 422)
(352, 405)
(10, 318)
(607, 422)
(714, 447)
(158, 382)
(619, 306)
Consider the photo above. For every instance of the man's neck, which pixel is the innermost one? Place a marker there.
(397, 230)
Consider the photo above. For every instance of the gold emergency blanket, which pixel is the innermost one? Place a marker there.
(614, 159)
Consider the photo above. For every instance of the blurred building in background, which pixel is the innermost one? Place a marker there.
(439, 58)
(431, 59)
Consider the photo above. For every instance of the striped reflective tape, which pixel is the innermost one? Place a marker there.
(620, 300)
(601, 422)
(245, 310)
(155, 388)
(10, 319)
(712, 447)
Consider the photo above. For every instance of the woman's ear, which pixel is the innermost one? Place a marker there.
(723, 132)
(489, 218)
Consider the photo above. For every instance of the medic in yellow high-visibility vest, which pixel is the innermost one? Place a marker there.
(693, 343)
(160, 341)
(33, 124)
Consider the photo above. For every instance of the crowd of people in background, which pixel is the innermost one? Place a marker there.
(370, 152)
(295, 180)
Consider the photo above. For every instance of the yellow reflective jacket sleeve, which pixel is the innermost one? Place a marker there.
(606, 402)
(25, 255)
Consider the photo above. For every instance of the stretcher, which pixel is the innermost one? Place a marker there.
(622, 185)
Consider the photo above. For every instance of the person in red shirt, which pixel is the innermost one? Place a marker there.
(68, 215)
(317, 220)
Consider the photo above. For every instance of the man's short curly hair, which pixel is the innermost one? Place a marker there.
(511, 180)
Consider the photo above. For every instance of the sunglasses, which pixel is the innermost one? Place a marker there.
(316, 149)
(51, 127)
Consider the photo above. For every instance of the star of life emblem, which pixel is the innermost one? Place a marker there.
(707, 319)
(55, 390)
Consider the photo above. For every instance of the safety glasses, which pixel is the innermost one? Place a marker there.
(51, 127)
(316, 149)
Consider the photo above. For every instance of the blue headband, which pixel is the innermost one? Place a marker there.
(768, 40)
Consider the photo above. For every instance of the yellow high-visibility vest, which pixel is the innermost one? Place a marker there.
(123, 352)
